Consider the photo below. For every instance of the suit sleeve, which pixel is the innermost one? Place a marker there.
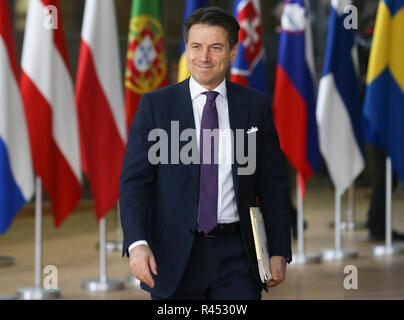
(273, 188)
(137, 177)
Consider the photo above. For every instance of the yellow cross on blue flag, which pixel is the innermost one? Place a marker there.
(384, 100)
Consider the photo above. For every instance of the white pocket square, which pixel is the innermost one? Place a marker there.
(252, 129)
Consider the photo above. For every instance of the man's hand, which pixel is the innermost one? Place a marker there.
(278, 270)
(141, 261)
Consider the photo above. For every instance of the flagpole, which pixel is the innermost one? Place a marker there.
(118, 243)
(301, 257)
(388, 249)
(38, 292)
(351, 224)
(103, 284)
(338, 253)
(38, 234)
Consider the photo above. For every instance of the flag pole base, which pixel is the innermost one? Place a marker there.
(37, 293)
(350, 226)
(306, 258)
(383, 251)
(338, 255)
(6, 261)
(132, 281)
(103, 286)
(112, 246)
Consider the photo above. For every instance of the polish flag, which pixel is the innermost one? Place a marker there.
(100, 106)
(48, 95)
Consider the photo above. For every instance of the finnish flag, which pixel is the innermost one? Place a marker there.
(338, 113)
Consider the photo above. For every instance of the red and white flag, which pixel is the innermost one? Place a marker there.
(47, 90)
(99, 98)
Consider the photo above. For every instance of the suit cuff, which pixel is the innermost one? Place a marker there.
(137, 243)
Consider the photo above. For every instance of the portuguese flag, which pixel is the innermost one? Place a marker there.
(146, 65)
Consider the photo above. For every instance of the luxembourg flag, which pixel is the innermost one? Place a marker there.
(47, 90)
(339, 112)
(100, 106)
(294, 95)
(16, 172)
(249, 67)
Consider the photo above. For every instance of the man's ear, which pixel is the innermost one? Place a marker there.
(233, 53)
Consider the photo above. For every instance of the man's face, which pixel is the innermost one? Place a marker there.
(208, 54)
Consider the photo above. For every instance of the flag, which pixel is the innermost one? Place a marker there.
(47, 92)
(384, 98)
(294, 94)
(99, 100)
(190, 7)
(249, 66)
(146, 65)
(339, 112)
(16, 172)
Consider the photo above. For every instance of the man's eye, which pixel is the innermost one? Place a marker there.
(217, 48)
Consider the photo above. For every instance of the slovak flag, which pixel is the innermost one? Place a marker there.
(16, 171)
(339, 112)
(294, 94)
(249, 67)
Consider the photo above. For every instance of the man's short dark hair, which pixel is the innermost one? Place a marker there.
(214, 16)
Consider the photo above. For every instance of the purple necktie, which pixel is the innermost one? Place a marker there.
(207, 210)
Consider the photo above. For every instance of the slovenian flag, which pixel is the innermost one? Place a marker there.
(339, 112)
(384, 100)
(190, 7)
(249, 66)
(16, 172)
(294, 94)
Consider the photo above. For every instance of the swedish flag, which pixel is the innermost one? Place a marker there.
(384, 100)
(190, 7)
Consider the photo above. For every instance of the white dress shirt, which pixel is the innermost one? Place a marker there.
(226, 204)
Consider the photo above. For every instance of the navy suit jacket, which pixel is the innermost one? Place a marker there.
(159, 203)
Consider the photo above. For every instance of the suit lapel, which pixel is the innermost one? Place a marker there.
(183, 111)
(238, 116)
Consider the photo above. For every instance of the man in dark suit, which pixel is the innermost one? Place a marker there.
(186, 224)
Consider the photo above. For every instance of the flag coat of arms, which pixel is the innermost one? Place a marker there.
(146, 65)
(249, 67)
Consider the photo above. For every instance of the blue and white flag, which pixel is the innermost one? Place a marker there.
(339, 114)
(16, 173)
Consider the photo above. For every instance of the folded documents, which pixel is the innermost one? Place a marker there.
(261, 243)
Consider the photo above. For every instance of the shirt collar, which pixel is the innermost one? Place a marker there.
(196, 89)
